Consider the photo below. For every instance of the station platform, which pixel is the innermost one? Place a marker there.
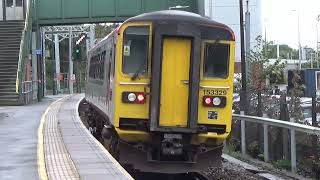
(47, 140)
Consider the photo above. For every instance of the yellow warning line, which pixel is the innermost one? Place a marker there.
(42, 171)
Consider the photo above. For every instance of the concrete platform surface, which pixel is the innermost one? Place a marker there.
(69, 150)
(18, 139)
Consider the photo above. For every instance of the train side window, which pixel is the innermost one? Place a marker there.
(216, 60)
(101, 64)
(135, 50)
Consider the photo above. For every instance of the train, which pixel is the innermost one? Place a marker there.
(160, 90)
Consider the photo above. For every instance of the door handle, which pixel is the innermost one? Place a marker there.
(146, 90)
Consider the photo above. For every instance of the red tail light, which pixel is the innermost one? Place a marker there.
(141, 98)
(207, 101)
(134, 97)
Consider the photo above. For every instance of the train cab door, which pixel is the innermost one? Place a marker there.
(176, 53)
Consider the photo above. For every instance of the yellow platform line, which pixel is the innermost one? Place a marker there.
(42, 171)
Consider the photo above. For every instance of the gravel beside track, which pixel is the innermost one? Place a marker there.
(230, 171)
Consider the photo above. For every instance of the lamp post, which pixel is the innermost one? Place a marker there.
(243, 94)
(299, 40)
(318, 41)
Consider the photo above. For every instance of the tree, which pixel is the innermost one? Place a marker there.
(285, 51)
(295, 109)
(102, 30)
(262, 71)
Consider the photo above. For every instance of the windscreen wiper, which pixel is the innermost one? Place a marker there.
(138, 72)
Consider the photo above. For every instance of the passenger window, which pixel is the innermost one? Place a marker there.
(216, 60)
(135, 50)
(96, 67)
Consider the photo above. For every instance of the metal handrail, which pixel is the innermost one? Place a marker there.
(292, 126)
(279, 123)
(25, 37)
(30, 89)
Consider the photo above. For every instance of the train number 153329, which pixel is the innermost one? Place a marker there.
(214, 92)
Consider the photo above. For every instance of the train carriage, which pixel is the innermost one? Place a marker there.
(161, 88)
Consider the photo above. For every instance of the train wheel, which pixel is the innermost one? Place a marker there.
(112, 145)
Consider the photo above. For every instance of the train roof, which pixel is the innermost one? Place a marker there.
(173, 15)
(177, 16)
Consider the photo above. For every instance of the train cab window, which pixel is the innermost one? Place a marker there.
(216, 60)
(135, 50)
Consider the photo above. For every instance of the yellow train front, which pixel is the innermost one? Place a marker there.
(167, 103)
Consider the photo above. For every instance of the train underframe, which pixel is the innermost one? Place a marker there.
(166, 153)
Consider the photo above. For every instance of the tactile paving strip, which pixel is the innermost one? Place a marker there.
(90, 158)
(59, 165)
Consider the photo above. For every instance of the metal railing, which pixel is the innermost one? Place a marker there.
(27, 91)
(24, 47)
(293, 127)
(27, 87)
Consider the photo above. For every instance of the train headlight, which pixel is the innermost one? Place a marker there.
(132, 97)
(216, 101)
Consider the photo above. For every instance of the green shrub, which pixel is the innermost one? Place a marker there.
(261, 157)
(282, 164)
(233, 144)
(253, 149)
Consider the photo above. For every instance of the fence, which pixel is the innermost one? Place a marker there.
(293, 127)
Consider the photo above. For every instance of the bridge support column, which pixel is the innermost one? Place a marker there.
(92, 35)
(40, 64)
(70, 62)
(43, 45)
(57, 59)
(34, 67)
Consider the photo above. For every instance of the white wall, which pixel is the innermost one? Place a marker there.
(1, 10)
(227, 12)
(14, 12)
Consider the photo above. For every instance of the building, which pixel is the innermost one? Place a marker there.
(227, 12)
(13, 9)
(307, 53)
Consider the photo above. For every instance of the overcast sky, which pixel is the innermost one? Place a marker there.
(280, 19)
